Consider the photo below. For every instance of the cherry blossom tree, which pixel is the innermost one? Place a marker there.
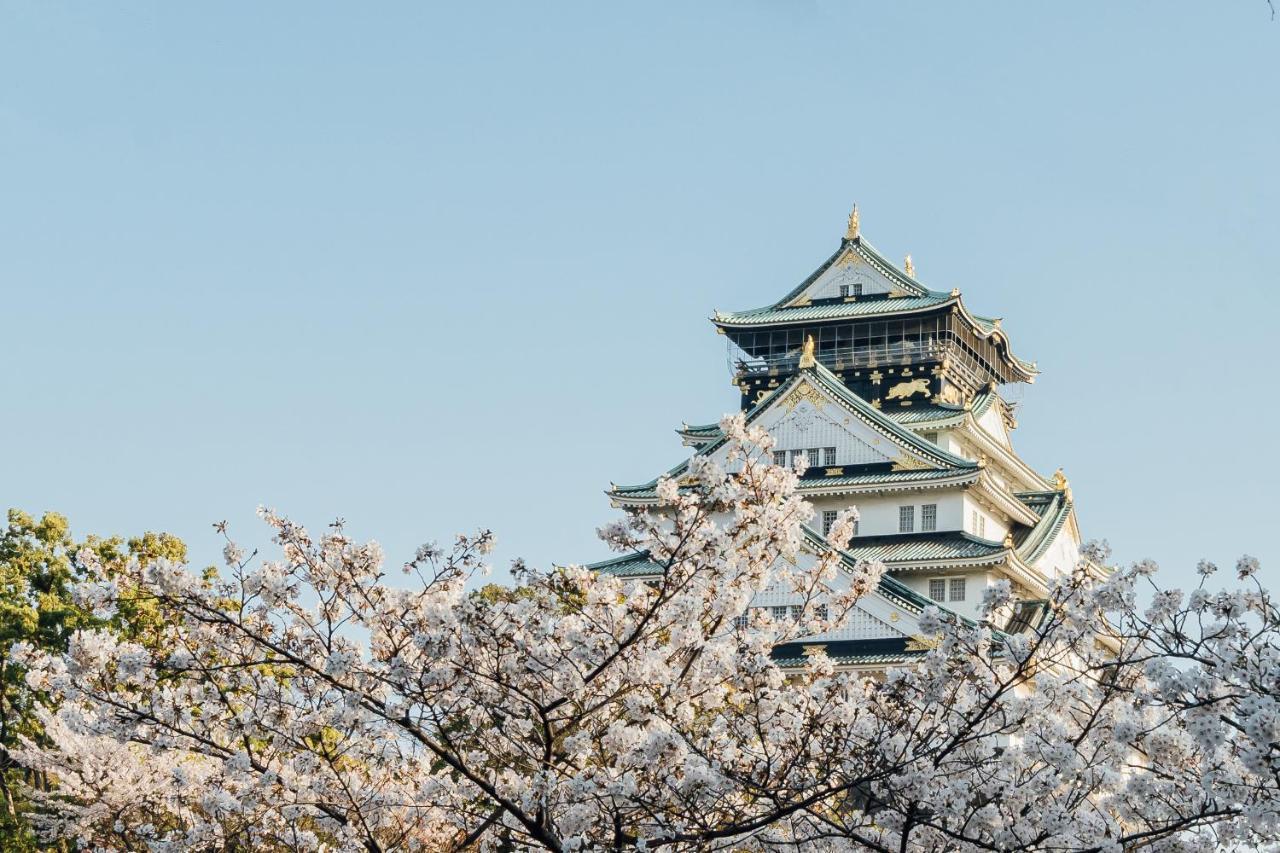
(311, 702)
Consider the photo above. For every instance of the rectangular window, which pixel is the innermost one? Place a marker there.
(856, 522)
(844, 290)
(828, 519)
(857, 288)
(938, 589)
(741, 621)
(828, 456)
(957, 589)
(815, 457)
(822, 612)
(778, 611)
(979, 524)
(780, 457)
(906, 519)
(929, 517)
(796, 456)
(795, 611)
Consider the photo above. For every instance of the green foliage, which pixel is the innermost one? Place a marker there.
(39, 562)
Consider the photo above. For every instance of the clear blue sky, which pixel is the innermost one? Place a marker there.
(434, 268)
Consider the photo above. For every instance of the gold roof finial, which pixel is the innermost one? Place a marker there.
(909, 267)
(852, 232)
(806, 354)
(1061, 484)
(1008, 540)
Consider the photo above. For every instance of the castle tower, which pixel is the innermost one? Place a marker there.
(891, 391)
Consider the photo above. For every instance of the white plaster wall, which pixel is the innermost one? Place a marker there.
(975, 584)
(828, 284)
(806, 427)
(879, 515)
(995, 529)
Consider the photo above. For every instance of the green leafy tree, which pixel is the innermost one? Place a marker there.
(40, 561)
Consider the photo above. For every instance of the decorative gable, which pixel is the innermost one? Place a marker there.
(855, 271)
(806, 415)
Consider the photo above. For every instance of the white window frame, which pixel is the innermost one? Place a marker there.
(929, 517)
(949, 584)
(942, 585)
(828, 520)
(907, 518)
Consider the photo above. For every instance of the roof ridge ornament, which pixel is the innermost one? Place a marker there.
(1062, 484)
(851, 233)
(806, 354)
(909, 267)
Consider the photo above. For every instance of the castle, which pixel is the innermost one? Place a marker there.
(892, 392)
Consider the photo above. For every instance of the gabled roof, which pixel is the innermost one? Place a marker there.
(907, 296)
(932, 457)
(874, 259)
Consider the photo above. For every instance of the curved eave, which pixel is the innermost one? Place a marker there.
(989, 328)
(645, 494)
(848, 485)
(941, 416)
(1046, 531)
(700, 434)
(824, 312)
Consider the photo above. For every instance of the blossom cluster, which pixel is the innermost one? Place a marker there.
(308, 702)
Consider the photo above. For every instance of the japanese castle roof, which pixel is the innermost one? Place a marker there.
(907, 296)
(884, 651)
(937, 463)
(926, 550)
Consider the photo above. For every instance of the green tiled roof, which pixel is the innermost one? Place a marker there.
(923, 414)
(1053, 516)
(628, 565)
(923, 548)
(707, 431)
(866, 307)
